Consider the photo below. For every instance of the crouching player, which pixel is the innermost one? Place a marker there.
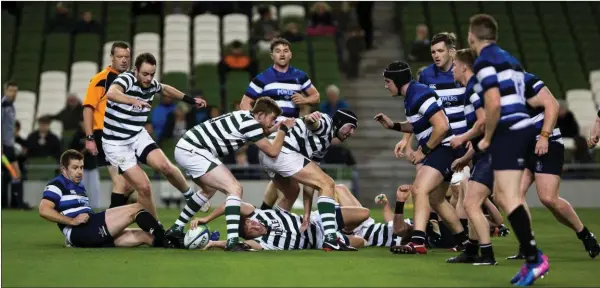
(66, 203)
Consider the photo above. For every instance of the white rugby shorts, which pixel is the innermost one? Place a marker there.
(195, 161)
(126, 156)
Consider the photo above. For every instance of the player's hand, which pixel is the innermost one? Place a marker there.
(593, 141)
(197, 222)
(457, 142)
(209, 245)
(381, 199)
(274, 128)
(385, 121)
(417, 156)
(313, 118)
(403, 192)
(483, 145)
(298, 99)
(91, 147)
(399, 149)
(200, 102)
(289, 122)
(80, 219)
(139, 104)
(305, 224)
(459, 164)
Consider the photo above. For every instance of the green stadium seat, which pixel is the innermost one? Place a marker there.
(147, 23)
(178, 80)
(235, 85)
(87, 47)
(409, 15)
(207, 79)
(56, 55)
(97, 9)
(118, 22)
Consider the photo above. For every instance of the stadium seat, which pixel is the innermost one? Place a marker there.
(594, 76)
(207, 79)
(57, 52)
(147, 23)
(292, 11)
(9, 23)
(256, 16)
(439, 18)
(150, 43)
(87, 47)
(207, 48)
(410, 14)
(464, 10)
(235, 27)
(176, 49)
(326, 65)
(118, 22)
(25, 105)
(81, 73)
(53, 93)
(97, 9)
(235, 85)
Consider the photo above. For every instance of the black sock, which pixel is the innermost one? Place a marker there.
(418, 237)
(433, 215)
(265, 206)
(339, 218)
(472, 248)
(583, 234)
(147, 223)
(465, 224)
(520, 222)
(117, 200)
(460, 238)
(487, 250)
(399, 208)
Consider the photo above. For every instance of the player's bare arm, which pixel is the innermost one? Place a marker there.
(475, 131)
(312, 97)
(47, 211)
(273, 149)
(387, 123)
(247, 103)
(492, 115)
(116, 94)
(546, 100)
(172, 92)
(595, 133)
(222, 244)
(441, 127)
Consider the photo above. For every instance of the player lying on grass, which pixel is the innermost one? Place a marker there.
(278, 229)
(66, 203)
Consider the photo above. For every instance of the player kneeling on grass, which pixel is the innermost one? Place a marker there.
(66, 203)
(277, 229)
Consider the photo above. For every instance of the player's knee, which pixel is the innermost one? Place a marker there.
(341, 187)
(166, 168)
(144, 190)
(326, 184)
(548, 200)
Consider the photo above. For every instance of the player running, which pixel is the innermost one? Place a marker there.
(198, 151)
(595, 133)
(65, 202)
(125, 140)
(545, 158)
(501, 82)
(427, 121)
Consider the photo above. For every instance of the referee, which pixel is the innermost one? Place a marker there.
(8, 140)
(94, 106)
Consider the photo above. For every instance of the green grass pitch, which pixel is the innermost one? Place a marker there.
(33, 255)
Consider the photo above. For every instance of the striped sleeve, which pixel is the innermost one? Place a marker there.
(52, 193)
(306, 83)
(125, 80)
(428, 105)
(533, 85)
(252, 130)
(325, 125)
(159, 87)
(486, 75)
(475, 100)
(255, 88)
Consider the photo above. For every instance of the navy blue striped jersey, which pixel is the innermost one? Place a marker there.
(450, 95)
(280, 87)
(472, 103)
(497, 68)
(420, 104)
(69, 198)
(533, 86)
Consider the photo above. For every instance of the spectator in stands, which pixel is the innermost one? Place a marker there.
(364, 9)
(87, 24)
(8, 139)
(160, 115)
(420, 49)
(291, 33)
(333, 102)
(42, 142)
(197, 115)
(355, 45)
(241, 162)
(214, 112)
(176, 124)
(237, 59)
(91, 174)
(147, 7)
(62, 22)
(570, 128)
(71, 114)
(321, 20)
(264, 29)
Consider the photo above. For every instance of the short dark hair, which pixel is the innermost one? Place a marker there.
(267, 106)
(280, 41)
(45, 119)
(144, 58)
(465, 56)
(118, 44)
(69, 155)
(447, 37)
(17, 124)
(10, 83)
(484, 27)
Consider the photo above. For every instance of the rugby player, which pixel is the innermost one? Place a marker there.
(198, 151)
(545, 159)
(65, 202)
(125, 140)
(94, 106)
(429, 123)
(501, 84)
(595, 133)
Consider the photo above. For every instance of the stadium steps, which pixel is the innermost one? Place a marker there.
(206, 55)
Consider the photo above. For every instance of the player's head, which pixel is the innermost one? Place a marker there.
(396, 75)
(71, 165)
(345, 123)
(120, 56)
(10, 90)
(265, 111)
(250, 229)
(145, 69)
(463, 63)
(442, 49)
(281, 52)
(482, 28)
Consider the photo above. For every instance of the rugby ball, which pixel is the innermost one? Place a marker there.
(196, 238)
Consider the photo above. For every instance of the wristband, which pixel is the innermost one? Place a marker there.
(397, 126)
(188, 99)
(426, 150)
(284, 128)
(545, 134)
(89, 138)
(399, 208)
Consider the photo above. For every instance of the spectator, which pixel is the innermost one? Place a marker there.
(62, 22)
(241, 161)
(265, 28)
(160, 115)
(176, 124)
(291, 33)
(8, 139)
(87, 24)
(237, 59)
(333, 102)
(42, 142)
(71, 114)
(91, 174)
(420, 49)
(364, 9)
(147, 7)
(197, 115)
(569, 128)
(355, 45)
(321, 23)
(214, 112)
